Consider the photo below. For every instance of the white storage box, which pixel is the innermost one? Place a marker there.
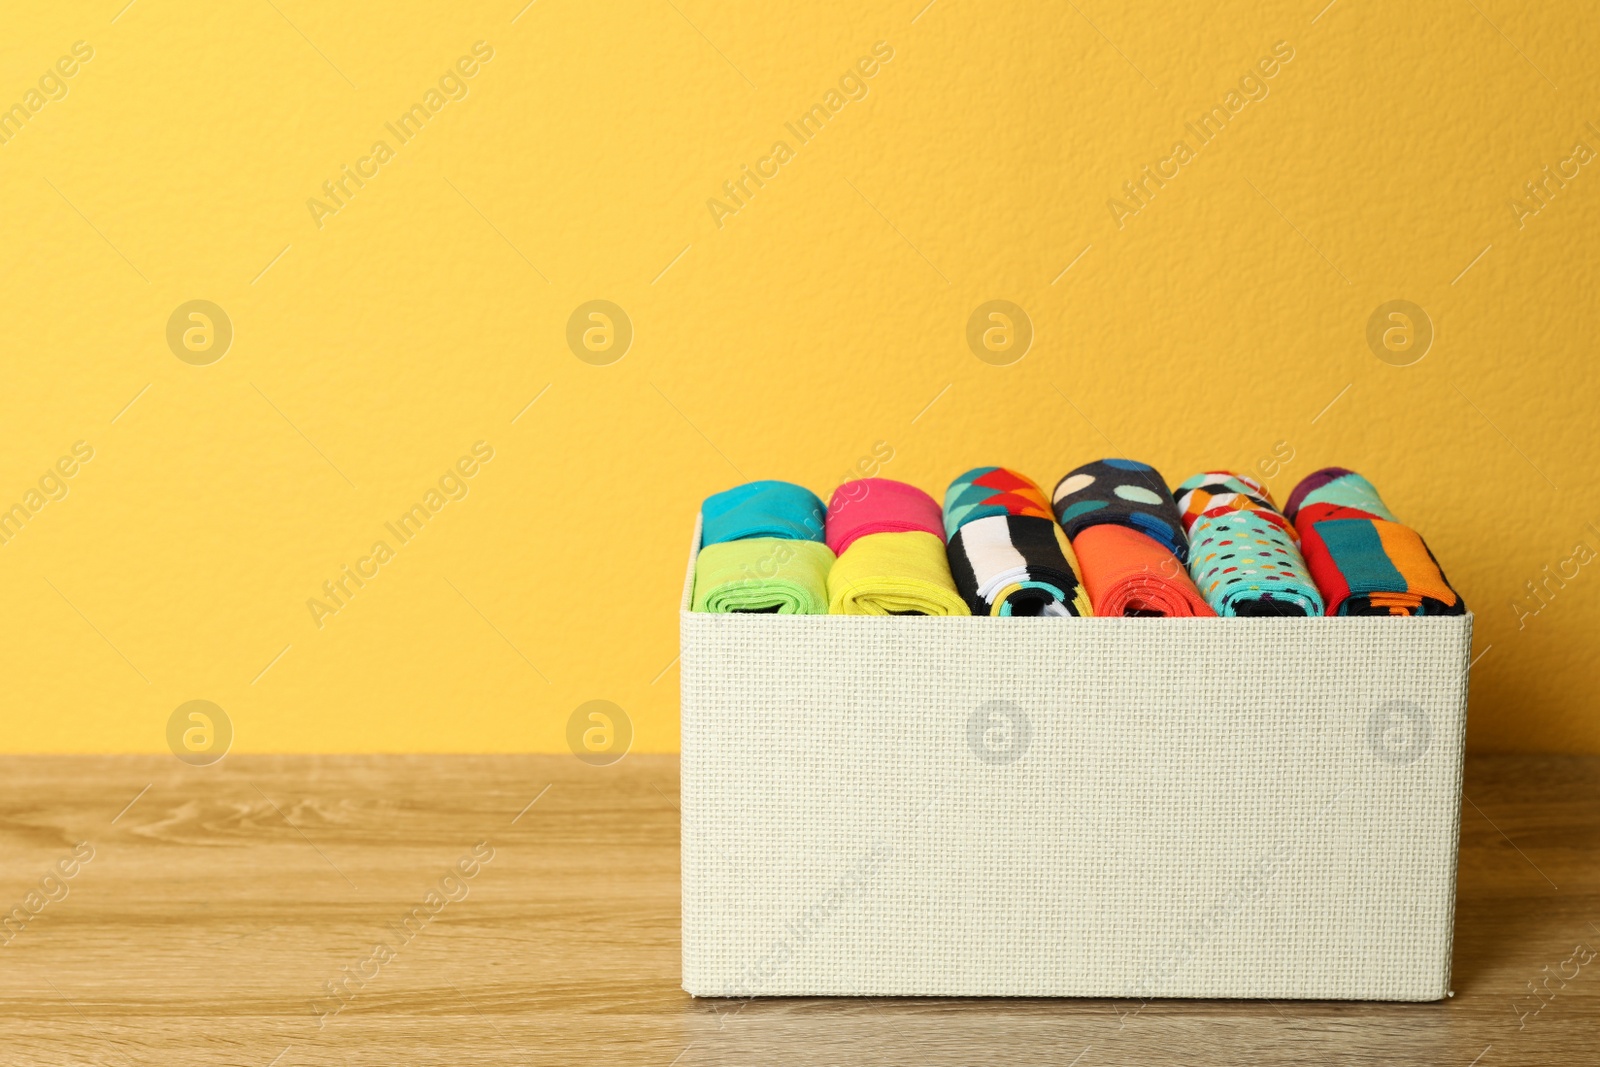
(908, 806)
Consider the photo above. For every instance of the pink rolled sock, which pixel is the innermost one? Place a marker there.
(879, 505)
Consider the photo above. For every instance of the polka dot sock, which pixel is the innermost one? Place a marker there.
(1242, 551)
(1120, 492)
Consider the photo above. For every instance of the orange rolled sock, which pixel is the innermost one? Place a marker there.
(1127, 573)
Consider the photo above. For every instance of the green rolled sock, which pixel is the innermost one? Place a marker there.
(767, 574)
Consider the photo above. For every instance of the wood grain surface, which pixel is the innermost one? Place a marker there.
(180, 915)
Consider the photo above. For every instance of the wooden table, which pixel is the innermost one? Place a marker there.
(231, 915)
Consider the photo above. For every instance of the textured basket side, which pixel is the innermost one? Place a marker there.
(1081, 807)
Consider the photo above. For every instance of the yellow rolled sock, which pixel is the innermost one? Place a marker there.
(894, 574)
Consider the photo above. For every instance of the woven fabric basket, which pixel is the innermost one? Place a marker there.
(1138, 808)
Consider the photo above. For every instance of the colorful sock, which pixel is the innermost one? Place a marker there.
(902, 573)
(768, 574)
(761, 509)
(1215, 492)
(1016, 565)
(1242, 553)
(1120, 492)
(1340, 487)
(1363, 560)
(1374, 567)
(992, 491)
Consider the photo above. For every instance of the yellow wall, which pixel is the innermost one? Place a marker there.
(1222, 324)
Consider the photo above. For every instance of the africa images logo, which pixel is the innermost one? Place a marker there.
(852, 86)
(340, 190)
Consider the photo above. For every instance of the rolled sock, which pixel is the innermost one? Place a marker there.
(1338, 486)
(985, 491)
(1127, 573)
(761, 509)
(769, 574)
(897, 573)
(1217, 492)
(1016, 565)
(1245, 564)
(1365, 562)
(1242, 552)
(879, 505)
(1120, 492)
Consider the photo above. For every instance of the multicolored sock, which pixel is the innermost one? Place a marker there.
(1242, 552)
(1016, 565)
(1338, 487)
(1120, 492)
(1363, 560)
(1215, 492)
(984, 491)
(1006, 552)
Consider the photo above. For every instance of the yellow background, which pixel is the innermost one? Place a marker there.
(827, 315)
